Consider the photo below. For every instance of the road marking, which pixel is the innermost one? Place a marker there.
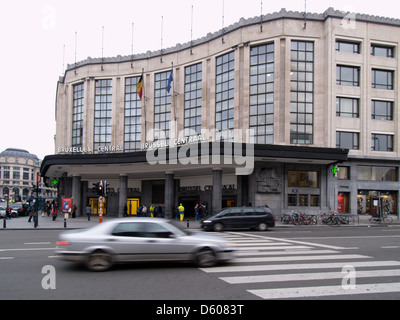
(304, 292)
(283, 253)
(308, 276)
(390, 247)
(6, 258)
(300, 258)
(27, 249)
(306, 266)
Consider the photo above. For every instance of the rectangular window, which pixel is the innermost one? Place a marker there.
(347, 140)
(302, 92)
(162, 106)
(102, 113)
(382, 142)
(303, 179)
(77, 115)
(347, 46)
(348, 76)
(382, 79)
(382, 51)
(343, 173)
(262, 93)
(133, 116)
(193, 99)
(382, 110)
(374, 173)
(224, 100)
(347, 107)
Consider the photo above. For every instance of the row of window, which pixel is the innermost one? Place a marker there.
(351, 140)
(377, 50)
(350, 76)
(350, 108)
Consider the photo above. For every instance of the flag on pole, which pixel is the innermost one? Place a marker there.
(170, 80)
(139, 87)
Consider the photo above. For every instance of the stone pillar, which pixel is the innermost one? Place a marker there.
(123, 188)
(169, 195)
(217, 191)
(77, 193)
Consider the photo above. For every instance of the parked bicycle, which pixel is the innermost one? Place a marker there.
(385, 218)
(334, 219)
(298, 218)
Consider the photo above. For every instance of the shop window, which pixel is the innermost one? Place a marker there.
(373, 173)
(303, 179)
(343, 202)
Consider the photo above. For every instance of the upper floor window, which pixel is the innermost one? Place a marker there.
(348, 76)
(102, 113)
(225, 91)
(382, 110)
(347, 107)
(382, 51)
(77, 115)
(382, 79)
(162, 106)
(193, 99)
(347, 140)
(382, 142)
(133, 115)
(347, 46)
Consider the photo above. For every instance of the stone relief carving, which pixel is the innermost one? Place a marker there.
(269, 181)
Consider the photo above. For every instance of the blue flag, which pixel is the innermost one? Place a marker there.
(170, 80)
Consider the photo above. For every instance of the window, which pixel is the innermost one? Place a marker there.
(302, 92)
(382, 79)
(347, 107)
(262, 93)
(193, 99)
(382, 142)
(292, 200)
(347, 76)
(77, 115)
(382, 110)
(347, 140)
(343, 173)
(347, 46)
(303, 179)
(374, 173)
(162, 106)
(225, 87)
(102, 113)
(382, 51)
(133, 116)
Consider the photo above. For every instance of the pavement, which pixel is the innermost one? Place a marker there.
(46, 223)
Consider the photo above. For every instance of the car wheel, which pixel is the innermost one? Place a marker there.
(99, 261)
(262, 226)
(206, 258)
(219, 227)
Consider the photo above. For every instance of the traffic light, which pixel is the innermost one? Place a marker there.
(100, 189)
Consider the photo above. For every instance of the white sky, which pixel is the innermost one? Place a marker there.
(33, 34)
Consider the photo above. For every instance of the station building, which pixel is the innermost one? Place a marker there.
(260, 113)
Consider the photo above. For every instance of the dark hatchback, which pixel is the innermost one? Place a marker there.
(260, 218)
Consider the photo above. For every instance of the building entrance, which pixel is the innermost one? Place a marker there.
(132, 205)
(189, 202)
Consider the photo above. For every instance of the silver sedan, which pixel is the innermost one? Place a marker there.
(140, 239)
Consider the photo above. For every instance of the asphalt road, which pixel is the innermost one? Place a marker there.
(25, 253)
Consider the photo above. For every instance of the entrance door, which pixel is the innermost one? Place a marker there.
(189, 203)
(132, 204)
(375, 206)
(95, 206)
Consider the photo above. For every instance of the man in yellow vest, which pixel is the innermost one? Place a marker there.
(181, 211)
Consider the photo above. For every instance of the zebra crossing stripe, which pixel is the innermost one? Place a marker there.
(302, 258)
(304, 292)
(308, 276)
(305, 266)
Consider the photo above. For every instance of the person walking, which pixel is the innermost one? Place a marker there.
(196, 212)
(181, 211)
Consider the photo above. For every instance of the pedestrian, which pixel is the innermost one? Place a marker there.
(54, 210)
(196, 212)
(125, 210)
(181, 211)
(152, 207)
(159, 211)
(73, 211)
(48, 208)
(139, 211)
(144, 211)
(31, 215)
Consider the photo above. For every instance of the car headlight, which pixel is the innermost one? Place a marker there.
(206, 221)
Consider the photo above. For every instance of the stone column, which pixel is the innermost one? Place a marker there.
(77, 193)
(169, 195)
(123, 188)
(217, 191)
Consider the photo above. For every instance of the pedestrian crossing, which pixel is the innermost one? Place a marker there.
(272, 268)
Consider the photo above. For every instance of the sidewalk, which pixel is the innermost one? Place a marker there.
(46, 223)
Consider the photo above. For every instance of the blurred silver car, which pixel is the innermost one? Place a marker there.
(140, 239)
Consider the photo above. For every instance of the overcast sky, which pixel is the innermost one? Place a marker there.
(33, 35)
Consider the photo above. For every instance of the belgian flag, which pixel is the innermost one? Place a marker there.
(139, 87)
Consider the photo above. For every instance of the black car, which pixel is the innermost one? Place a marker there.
(260, 218)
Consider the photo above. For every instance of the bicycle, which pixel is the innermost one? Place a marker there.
(378, 219)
